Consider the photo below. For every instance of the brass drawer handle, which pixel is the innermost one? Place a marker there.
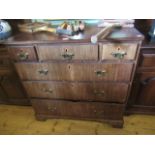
(43, 71)
(99, 92)
(23, 55)
(119, 53)
(51, 108)
(67, 55)
(98, 112)
(47, 90)
(100, 72)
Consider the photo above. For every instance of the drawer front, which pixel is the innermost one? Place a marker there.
(146, 76)
(22, 53)
(75, 71)
(118, 51)
(78, 109)
(2, 93)
(68, 52)
(145, 89)
(111, 92)
(5, 71)
(4, 57)
(4, 60)
(3, 49)
(147, 58)
(12, 87)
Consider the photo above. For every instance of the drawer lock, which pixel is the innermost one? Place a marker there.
(119, 54)
(67, 55)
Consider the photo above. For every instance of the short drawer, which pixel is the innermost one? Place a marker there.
(68, 52)
(22, 53)
(111, 92)
(118, 51)
(147, 57)
(75, 71)
(82, 110)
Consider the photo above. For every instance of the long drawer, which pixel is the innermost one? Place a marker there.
(82, 110)
(68, 52)
(99, 91)
(75, 71)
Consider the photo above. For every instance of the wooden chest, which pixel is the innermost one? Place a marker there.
(142, 97)
(77, 79)
(11, 90)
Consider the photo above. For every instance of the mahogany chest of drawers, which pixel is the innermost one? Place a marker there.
(74, 78)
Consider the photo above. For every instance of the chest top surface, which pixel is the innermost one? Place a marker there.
(123, 34)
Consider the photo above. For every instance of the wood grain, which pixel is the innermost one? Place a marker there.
(12, 87)
(107, 49)
(14, 52)
(142, 98)
(75, 71)
(147, 57)
(111, 92)
(56, 52)
(94, 110)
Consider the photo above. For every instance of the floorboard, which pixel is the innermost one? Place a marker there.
(19, 120)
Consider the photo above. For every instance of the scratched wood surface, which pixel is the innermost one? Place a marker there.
(16, 120)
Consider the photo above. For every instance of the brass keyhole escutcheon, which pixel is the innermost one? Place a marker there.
(119, 53)
(67, 55)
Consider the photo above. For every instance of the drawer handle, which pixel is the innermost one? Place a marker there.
(147, 81)
(67, 55)
(98, 112)
(119, 54)
(100, 72)
(23, 55)
(43, 71)
(51, 108)
(48, 90)
(99, 92)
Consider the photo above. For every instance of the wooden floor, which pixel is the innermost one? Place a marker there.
(21, 120)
